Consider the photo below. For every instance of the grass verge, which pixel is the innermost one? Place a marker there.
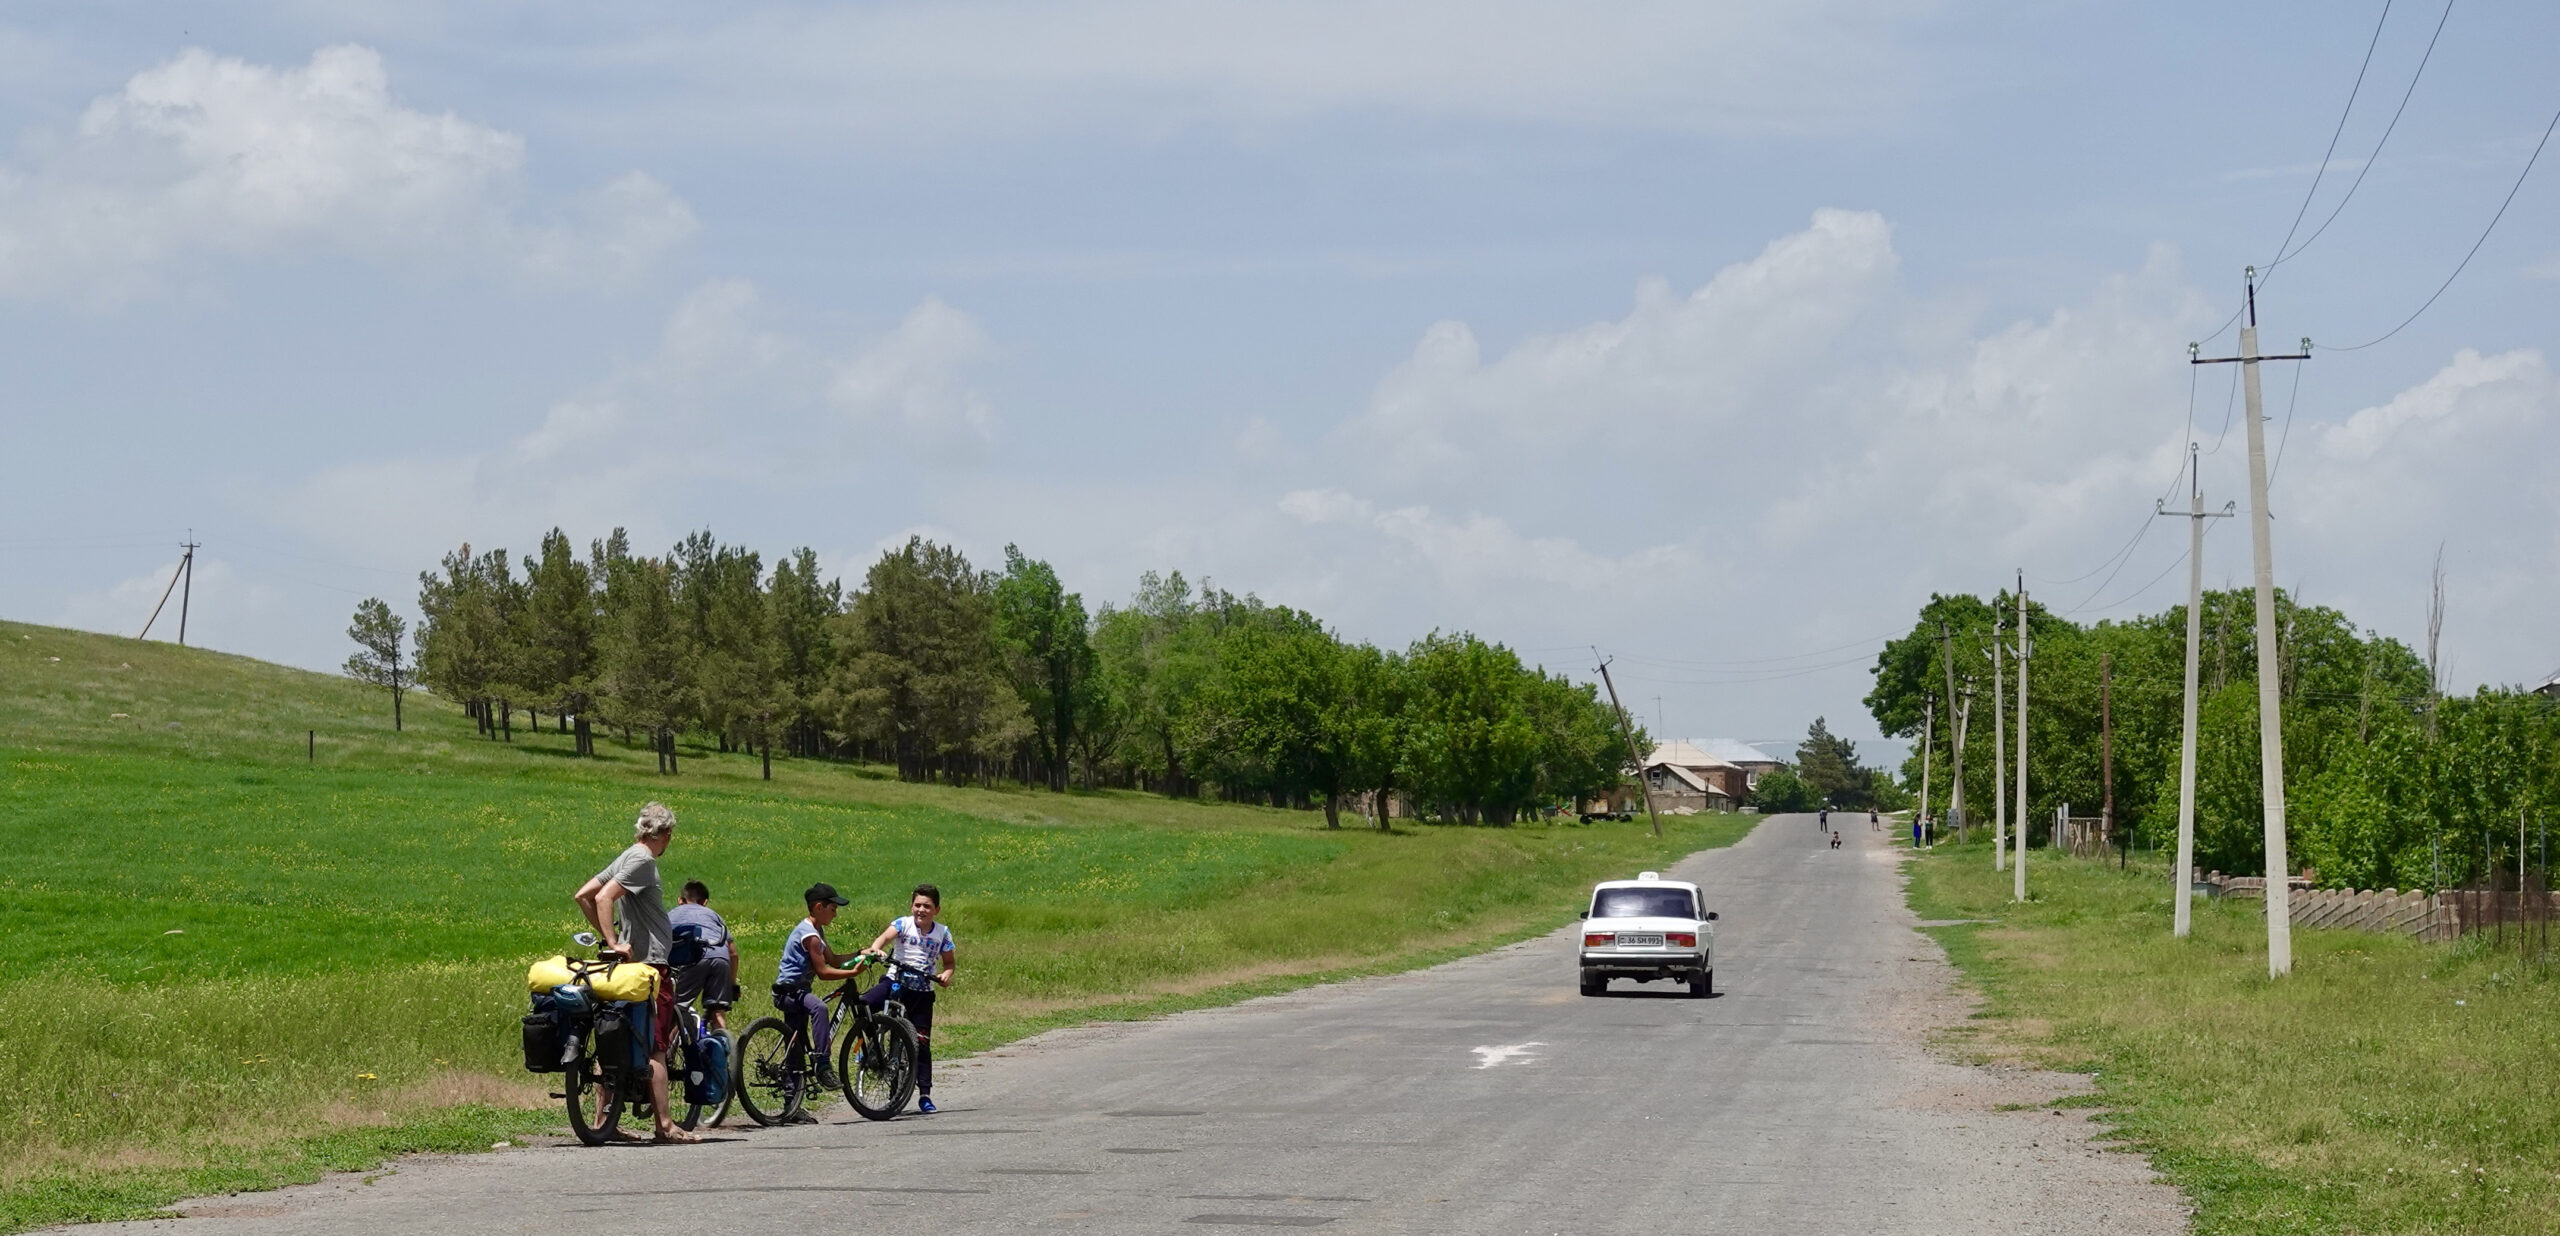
(237, 962)
(2387, 1085)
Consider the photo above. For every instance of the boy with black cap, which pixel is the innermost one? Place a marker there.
(806, 960)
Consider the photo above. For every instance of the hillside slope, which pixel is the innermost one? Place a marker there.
(257, 933)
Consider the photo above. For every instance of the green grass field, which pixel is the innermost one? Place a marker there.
(240, 955)
(2387, 1085)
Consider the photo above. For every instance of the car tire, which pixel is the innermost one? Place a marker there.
(1594, 985)
(1702, 985)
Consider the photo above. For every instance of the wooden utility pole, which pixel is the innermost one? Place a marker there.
(1642, 783)
(2183, 880)
(2018, 873)
(1928, 747)
(1999, 754)
(186, 572)
(2270, 686)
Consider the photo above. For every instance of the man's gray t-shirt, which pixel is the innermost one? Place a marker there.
(644, 918)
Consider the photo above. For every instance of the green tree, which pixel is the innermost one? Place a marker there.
(1827, 764)
(918, 671)
(379, 634)
(1781, 791)
(1043, 631)
(801, 609)
(646, 680)
(558, 646)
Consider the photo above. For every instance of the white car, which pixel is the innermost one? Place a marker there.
(1648, 928)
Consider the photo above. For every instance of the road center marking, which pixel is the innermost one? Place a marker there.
(1487, 1057)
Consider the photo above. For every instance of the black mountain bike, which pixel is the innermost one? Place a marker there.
(599, 1091)
(875, 1061)
(876, 1055)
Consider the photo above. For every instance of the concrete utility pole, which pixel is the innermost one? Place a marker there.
(1999, 754)
(1642, 782)
(1955, 731)
(1964, 720)
(1928, 741)
(2018, 873)
(2270, 689)
(2183, 884)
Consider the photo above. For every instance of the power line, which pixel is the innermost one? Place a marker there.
(2405, 95)
(2323, 170)
(2287, 436)
(2335, 133)
(2475, 245)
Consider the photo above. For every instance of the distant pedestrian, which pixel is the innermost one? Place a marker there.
(1915, 832)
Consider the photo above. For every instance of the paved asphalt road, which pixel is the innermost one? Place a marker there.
(1484, 1095)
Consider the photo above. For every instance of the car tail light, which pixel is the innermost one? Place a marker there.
(1681, 939)
(1596, 939)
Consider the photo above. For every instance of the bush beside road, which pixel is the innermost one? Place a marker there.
(2387, 1085)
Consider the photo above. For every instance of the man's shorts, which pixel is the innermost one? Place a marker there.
(711, 980)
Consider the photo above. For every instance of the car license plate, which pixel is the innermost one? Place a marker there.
(1629, 939)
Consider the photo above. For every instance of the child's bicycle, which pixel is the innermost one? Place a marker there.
(601, 1086)
(875, 1061)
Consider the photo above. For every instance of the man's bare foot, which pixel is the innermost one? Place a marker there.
(672, 1136)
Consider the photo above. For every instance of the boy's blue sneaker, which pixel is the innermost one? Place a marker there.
(925, 1106)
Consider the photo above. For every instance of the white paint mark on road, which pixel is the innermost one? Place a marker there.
(1487, 1057)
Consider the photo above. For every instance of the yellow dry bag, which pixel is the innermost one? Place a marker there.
(623, 980)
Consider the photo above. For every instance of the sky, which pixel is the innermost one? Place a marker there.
(1716, 337)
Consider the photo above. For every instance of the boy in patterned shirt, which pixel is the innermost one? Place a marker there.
(926, 958)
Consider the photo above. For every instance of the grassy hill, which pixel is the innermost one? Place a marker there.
(256, 934)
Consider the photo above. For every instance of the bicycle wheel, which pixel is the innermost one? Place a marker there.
(769, 1079)
(877, 1064)
(680, 1064)
(592, 1116)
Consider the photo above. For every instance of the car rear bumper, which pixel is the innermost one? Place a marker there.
(1650, 964)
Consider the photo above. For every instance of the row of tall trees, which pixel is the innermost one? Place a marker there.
(960, 674)
(2388, 783)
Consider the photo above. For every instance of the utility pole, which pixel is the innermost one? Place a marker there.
(1928, 747)
(1642, 783)
(2270, 690)
(1999, 754)
(1964, 724)
(2107, 758)
(185, 571)
(186, 591)
(1955, 731)
(2018, 873)
(2183, 882)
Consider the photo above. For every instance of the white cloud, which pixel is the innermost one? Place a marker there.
(912, 382)
(712, 404)
(1481, 554)
(214, 156)
(919, 71)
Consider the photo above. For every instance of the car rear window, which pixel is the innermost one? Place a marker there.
(1643, 903)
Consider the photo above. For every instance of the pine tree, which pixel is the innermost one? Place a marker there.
(378, 634)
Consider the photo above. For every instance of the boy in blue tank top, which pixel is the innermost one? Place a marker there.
(807, 961)
(926, 958)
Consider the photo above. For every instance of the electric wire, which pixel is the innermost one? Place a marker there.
(2323, 170)
(2230, 401)
(2287, 437)
(2336, 133)
(2283, 256)
(2475, 245)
